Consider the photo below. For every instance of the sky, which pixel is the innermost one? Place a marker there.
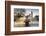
(28, 11)
(35, 11)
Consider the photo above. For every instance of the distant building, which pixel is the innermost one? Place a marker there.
(31, 16)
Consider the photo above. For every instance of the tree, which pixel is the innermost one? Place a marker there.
(37, 17)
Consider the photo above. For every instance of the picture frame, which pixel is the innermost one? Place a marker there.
(10, 5)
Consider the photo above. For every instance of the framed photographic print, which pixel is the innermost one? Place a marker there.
(24, 17)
